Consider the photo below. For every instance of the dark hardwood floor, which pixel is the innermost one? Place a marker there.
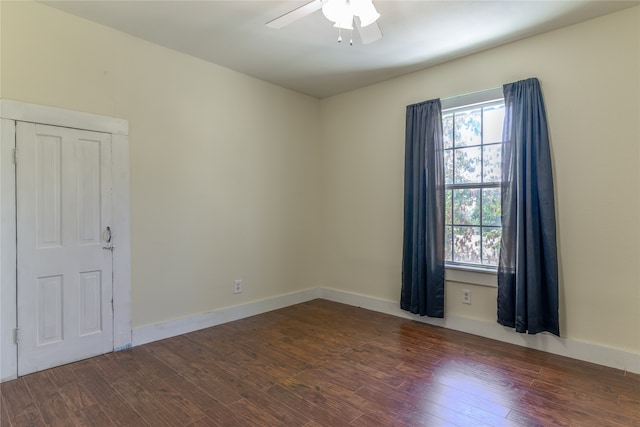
(324, 364)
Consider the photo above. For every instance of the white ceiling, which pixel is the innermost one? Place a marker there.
(305, 55)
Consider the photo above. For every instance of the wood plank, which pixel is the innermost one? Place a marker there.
(76, 395)
(203, 422)
(199, 369)
(254, 415)
(156, 400)
(610, 407)
(322, 395)
(50, 402)
(138, 359)
(4, 416)
(62, 375)
(259, 404)
(314, 411)
(93, 416)
(324, 364)
(19, 405)
(111, 403)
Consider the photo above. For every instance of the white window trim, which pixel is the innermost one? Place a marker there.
(472, 275)
(472, 98)
(458, 272)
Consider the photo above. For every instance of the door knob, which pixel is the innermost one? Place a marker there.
(107, 238)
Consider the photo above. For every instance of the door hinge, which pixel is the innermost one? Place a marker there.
(16, 336)
(16, 156)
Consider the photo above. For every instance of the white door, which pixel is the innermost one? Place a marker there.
(63, 183)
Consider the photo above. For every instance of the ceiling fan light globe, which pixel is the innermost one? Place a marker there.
(333, 10)
(366, 11)
(342, 12)
(360, 7)
(345, 25)
(346, 21)
(369, 19)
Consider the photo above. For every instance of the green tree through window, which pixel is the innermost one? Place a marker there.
(472, 160)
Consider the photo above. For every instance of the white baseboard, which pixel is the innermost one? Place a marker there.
(588, 352)
(606, 356)
(8, 378)
(171, 328)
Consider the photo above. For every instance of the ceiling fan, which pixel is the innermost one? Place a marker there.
(343, 13)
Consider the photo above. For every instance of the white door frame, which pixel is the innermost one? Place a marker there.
(10, 112)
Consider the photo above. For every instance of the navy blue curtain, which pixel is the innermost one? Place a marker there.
(423, 248)
(528, 267)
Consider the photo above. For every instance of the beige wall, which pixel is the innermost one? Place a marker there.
(232, 177)
(223, 166)
(590, 76)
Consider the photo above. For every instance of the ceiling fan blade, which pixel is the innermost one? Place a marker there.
(295, 14)
(370, 33)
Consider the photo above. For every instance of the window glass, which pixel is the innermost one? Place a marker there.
(467, 128)
(467, 165)
(491, 161)
(472, 160)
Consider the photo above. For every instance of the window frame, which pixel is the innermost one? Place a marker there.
(460, 272)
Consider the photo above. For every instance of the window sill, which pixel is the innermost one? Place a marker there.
(472, 275)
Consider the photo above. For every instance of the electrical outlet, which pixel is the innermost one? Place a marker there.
(466, 296)
(237, 287)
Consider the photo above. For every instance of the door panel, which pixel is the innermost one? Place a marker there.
(49, 290)
(63, 182)
(89, 227)
(90, 307)
(48, 190)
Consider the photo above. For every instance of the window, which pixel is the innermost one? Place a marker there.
(472, 160)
